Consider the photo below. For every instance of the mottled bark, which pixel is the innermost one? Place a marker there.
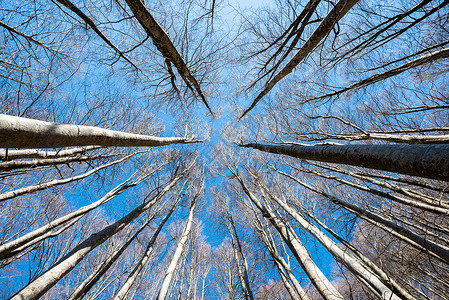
(325, 27)
(429, 161)
(16, 132)
(164, 44)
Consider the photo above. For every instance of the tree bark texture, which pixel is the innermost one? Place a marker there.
(429, 161)
(325, 27)
(164, 44)
(16, 132)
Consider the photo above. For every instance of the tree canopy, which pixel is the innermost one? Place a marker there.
(203, 149)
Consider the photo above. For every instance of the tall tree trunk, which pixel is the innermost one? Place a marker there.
(370, 264)
(93, 278)
(438, 251)
(126, 287)
(56, 182)
(43, 283)
(435, 206)
(238, 252)
(325, 27)
(387, 74)
(324, 287)
(281, 264)
(34, 163)
(94, 27)
(352, 263)
(6, 154)
(165, 45)
(16, 132)
(35, 234)
(177, 255)
(429, 161)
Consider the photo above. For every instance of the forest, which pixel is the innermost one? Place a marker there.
(224, 149)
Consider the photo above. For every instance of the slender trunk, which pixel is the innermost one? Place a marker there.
(325, 27)
(164, 44)
(411, 193)
(92, 279)
(25, 248)
(56, 182)
(324, 287)
(353, 264)
(385, 277)
(281, 264)
(177, 255)
(387, 24)
(387, 74)
(437, 208)
(237, 249)
(429, 161)
(6, 154)
(285, 281)
(94, 27)
(16, 132)
(27, 238)
(126, 287)
(34, 163)
(243, 283)
(42, 284)
(438, 251)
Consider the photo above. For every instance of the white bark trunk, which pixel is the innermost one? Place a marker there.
(324, 287)
(92, 279)
(438, 251)
(34, 163)
(352, 263)
(126, 287)
(385, 277)
(56, 182)
(437, 207)
(42, 284)
(16, 132)
(177, 255)
(280, 261)
(238, 252)
(7, 154)
(13, 245)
